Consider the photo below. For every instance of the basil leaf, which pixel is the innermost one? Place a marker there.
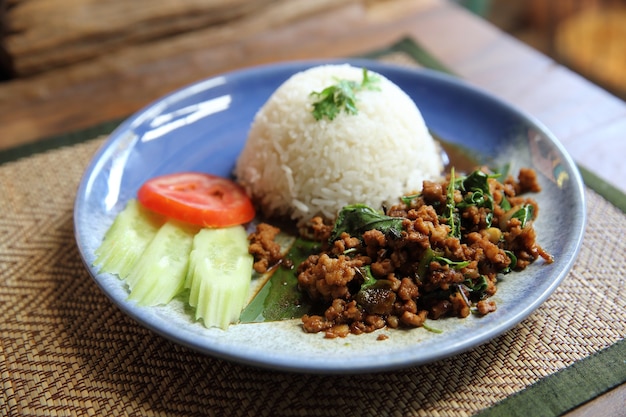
(477, 289)
(357, 219)
(477, 180)
(422, 267)
(429, 256)
(453, 264)
(503, 172)
(431, 329)
(369, 279)
(406, 199)
(513, 263)
(489, 219)
(476, 185)
(524, 214)
(475, 198)
(505, 204)
(451, 215)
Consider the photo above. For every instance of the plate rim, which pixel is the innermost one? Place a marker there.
(294, 66)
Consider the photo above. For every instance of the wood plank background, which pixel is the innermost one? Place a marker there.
(130, 70)
(48, 34)
(119, 55)
(70, 52)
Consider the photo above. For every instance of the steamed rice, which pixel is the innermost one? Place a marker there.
(294, 165)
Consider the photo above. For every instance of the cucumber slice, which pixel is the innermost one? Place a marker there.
(159, 274)
(220, 270)
(127, 238)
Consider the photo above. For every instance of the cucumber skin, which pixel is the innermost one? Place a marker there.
(159, 274)
(219, 275)
(126, 239)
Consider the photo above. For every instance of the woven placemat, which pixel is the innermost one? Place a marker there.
(65, 349)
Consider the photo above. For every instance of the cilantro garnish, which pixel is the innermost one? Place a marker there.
(341, 96)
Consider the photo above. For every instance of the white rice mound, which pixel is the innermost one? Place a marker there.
(294, 165)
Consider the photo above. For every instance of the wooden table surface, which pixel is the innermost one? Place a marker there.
(590, 122)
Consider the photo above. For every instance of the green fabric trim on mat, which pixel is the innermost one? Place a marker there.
(568, 388)
(606, 190)
(415, 51)
(58, 141)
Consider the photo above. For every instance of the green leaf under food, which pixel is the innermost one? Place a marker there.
(280, 298)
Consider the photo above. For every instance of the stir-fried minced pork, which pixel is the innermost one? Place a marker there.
(433, 255)
(266, 251)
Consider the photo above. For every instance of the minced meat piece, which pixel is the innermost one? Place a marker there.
(485, 307)
(317, 230)
(527, 179)
(266, 252)
(328, 278)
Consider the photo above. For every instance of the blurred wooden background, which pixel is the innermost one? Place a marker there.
(43, 35)
(588, 36)
(56, 49)
(38, 36)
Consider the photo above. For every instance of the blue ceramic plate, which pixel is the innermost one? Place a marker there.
(203, 127)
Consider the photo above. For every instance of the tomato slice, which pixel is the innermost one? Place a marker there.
(198, 198)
